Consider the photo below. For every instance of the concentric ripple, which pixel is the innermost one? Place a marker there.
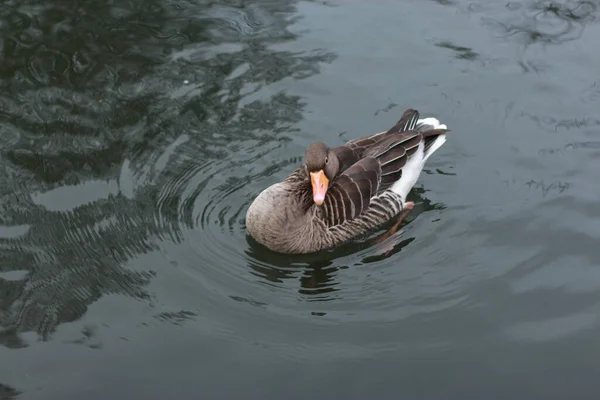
(205, 203)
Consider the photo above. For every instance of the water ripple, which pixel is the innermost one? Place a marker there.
(543, 21)
(119, 130)
(202, 206)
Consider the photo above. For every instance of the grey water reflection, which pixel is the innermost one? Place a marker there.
(134, 135)
(8, 393)
(106, 112)
(546, 22)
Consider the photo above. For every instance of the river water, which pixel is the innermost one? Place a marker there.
(134, 135)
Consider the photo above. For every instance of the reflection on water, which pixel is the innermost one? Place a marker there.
(546, 22)
(115, 121)
(133, 137)
(8, 393)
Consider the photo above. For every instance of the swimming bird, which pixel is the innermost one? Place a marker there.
(342, 192)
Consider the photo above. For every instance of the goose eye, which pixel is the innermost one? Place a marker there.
(326, 160)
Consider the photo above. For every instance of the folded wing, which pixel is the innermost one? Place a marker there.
(371, 165)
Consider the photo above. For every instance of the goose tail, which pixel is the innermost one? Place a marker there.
(434, 136)
(434, 132)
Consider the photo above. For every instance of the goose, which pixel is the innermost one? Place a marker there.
(342, 192)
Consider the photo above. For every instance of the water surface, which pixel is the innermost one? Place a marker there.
(134, 135)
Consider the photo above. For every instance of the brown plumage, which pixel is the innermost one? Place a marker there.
(363, 184)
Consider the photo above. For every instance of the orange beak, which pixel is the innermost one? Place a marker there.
(319, 186)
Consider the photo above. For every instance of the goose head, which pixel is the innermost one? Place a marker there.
(322, 165)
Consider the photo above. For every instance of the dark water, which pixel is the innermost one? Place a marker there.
(134, 135)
